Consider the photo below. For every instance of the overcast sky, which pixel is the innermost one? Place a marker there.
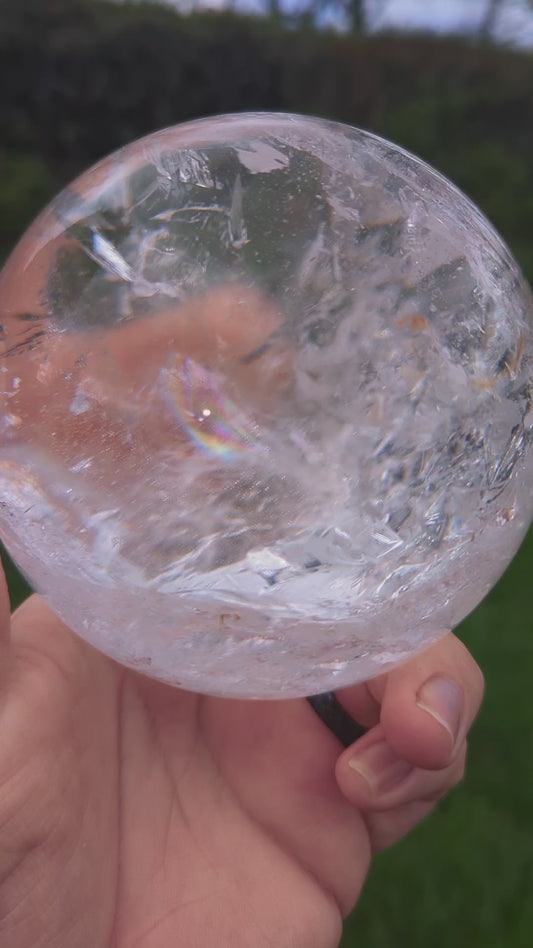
(463, 16)
(436, 14)
(516, 21)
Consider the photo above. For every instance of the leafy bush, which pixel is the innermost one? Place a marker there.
(26, 183)
(81, 78)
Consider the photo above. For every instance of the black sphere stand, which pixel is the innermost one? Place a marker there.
(336, 718)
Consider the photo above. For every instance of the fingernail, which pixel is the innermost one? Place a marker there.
(443, 699)
(380, 767)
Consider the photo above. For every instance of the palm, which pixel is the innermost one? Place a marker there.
(152, 816)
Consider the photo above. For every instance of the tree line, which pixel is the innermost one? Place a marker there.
(80, 78)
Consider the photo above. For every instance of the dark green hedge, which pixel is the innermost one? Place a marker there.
(80, 78)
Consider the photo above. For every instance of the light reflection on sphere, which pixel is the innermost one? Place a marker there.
(265, 422)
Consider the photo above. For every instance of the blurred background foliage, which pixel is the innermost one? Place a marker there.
(79, 78)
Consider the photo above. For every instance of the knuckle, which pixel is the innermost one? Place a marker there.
(471, 675)
(459, 767)
(474, 675)
(477, 681)
(459, 775)
(453, 775)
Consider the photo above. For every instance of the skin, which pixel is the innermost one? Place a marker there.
(136, 815)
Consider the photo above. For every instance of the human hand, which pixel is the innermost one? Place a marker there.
(136, 814)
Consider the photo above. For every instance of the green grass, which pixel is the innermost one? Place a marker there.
(465, 877)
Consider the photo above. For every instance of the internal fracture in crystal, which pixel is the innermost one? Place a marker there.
(265, 405)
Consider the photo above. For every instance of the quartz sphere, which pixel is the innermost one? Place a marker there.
(265, 421)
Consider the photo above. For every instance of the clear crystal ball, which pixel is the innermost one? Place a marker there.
(266, 405)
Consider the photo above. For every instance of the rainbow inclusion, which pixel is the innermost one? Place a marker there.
(195, 397)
